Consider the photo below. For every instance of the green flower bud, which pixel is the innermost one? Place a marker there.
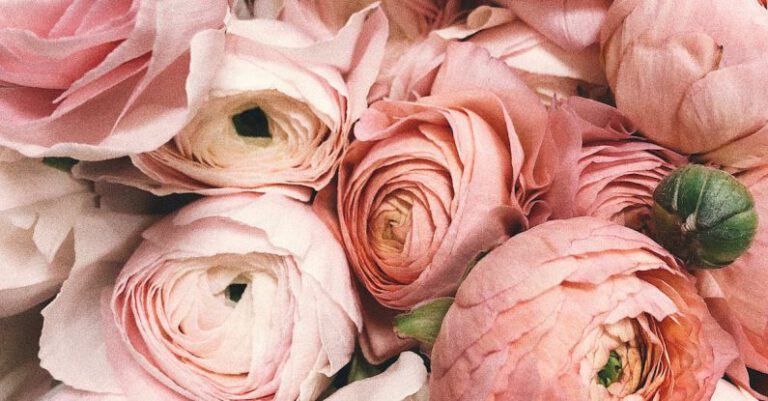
(423, 322)
(704, 216)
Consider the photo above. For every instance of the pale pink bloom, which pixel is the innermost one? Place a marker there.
(236, 297)
(607, 170)
(21, 377)
(430, 184)
(305, 93)
(541, 316)
(39, 208)
(405, 380)
(573, 24)
(544, 66)
(687, 73)
(728, 392)
(97, 79)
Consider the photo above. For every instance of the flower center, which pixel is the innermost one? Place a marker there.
(392, 223)
(252, 123)
(234, 292)
(611, 372)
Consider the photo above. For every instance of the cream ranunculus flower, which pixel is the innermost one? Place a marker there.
(275, 115)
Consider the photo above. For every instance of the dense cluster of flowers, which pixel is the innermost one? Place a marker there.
(395, 200)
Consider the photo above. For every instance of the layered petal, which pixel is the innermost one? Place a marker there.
(121, 66)
(405, 380)
(579, 309)
(572, 24)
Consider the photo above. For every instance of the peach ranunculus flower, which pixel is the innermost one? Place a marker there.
(686, 72)
(120, 66)
(429, 185)
(579, 309)
(275, 116)
(607, 170)
(236, 297)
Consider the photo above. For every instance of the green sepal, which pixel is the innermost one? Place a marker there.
(64, 164)
(423, 322)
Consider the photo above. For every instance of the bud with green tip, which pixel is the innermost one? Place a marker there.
(423, 322)
(704, 216)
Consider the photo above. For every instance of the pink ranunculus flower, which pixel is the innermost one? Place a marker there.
(686, 72)
(608, 171)
(275, 117)
(579, 309)
(237, 297)
(93, 79)
(429, 185)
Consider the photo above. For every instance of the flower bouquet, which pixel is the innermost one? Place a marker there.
(403, 200)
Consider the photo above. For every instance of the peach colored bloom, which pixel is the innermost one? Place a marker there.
(579, 309)
(120, 66)
(686, 72)
(295, 99)
(236, 297)
(616, 171)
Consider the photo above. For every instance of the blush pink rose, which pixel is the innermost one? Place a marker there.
(237, 297)
(96, 79)
(275, 117)
(686, 72)
(544, 316)
(608, 171)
